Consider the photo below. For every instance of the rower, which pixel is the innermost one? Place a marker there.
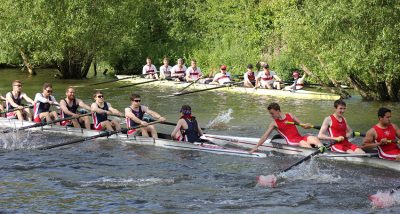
(339, 131)
(193, 73)
(187, 129)
(14, 100)
(149, 70)
(134, 116)
(298, 82)
(1, 103)
(100, 111)
(165, 70)
(69, 108)
(268, 79)
(178, 71)
(43, 101)
(249, 80)
(221, 78)
(383, 136)
(284, 124)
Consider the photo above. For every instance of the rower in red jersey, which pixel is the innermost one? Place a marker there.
(383, 136)
(338, 130)
(284, 124)
(249, 78)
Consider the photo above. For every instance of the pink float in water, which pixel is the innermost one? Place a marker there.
(268, 181)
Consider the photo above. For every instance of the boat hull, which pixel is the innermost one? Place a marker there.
(298, 94)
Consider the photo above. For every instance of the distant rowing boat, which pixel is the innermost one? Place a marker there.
(369, 159)
(298, 94)
(129, 139)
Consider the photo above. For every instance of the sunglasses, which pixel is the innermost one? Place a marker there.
(137, 101)
(18, 85)
(49, 91)
(100, 96)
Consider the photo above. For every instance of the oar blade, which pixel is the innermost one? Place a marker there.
(382, 200)
(267, 181)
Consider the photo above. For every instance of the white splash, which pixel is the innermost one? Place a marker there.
(385, 199)
(221, 121)
(16, 140)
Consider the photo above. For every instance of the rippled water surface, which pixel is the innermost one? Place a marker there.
(108, 176)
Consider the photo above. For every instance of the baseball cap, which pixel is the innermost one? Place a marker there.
(223, 67)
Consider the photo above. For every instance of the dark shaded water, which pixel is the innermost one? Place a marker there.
(107, 176)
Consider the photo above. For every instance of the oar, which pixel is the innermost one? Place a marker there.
(270, 180)
(207, 89)
(187, 86)
(104, 134)
(355, 133)
(139, 83)
(15, 109)
(115, 80)
(45, 123)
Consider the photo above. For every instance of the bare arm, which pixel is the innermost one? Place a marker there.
(28, 99)
(114, 111)
(95, 108)
(154, 114)
(349, 131)
(270, 128)
(177, 128)
(130, 115)
(10, 100)
(63, 106)
(324, 129)
(369, 140)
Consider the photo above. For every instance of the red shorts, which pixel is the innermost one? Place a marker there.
(390, 154)
(11, 115)
(343, 146)
(37, 119)
(131, 131)
(98, 127)
(66, 123)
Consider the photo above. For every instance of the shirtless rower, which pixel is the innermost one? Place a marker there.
(134, 116)
(298, 82)
(43, 101)
(14, 100)
(383, 136)
(178, 71)
(100, 111)
(249, 80)
(69, 108)
(222, 77)
(187, 128)
(193, 72)
(268, 79)
(338, 130)
(288, 130)
(149, 70)
(165, 70)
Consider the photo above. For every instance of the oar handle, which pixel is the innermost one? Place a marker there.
(139, 83)
(16, 109)
(303, 124)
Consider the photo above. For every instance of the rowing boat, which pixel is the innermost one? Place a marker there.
(164, 141)
(369, 159)
(298, 94)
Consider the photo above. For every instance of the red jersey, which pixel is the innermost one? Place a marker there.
(289, 131)
(390, 150)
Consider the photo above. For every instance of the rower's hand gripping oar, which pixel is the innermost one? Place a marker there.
(104, 134)
(355, 133)
(166, 122)
(46, 123)
(16, 109)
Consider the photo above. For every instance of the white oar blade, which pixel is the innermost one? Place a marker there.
(383, 199)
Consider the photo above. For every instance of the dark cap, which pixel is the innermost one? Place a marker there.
(265, 65)
(250, 66)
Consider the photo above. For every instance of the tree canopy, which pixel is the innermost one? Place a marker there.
(349, 42)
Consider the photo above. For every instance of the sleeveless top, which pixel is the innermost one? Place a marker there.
(288, 131)
(17, 100)
(73, 109)
(98, 118)
(388, 133)
(139, 114)
(191, 134)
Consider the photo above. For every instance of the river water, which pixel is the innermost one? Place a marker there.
(107, 176)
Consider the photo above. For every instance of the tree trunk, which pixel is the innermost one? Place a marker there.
(361, 87)
(28, 66)
(75, 65)
(95, 67)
